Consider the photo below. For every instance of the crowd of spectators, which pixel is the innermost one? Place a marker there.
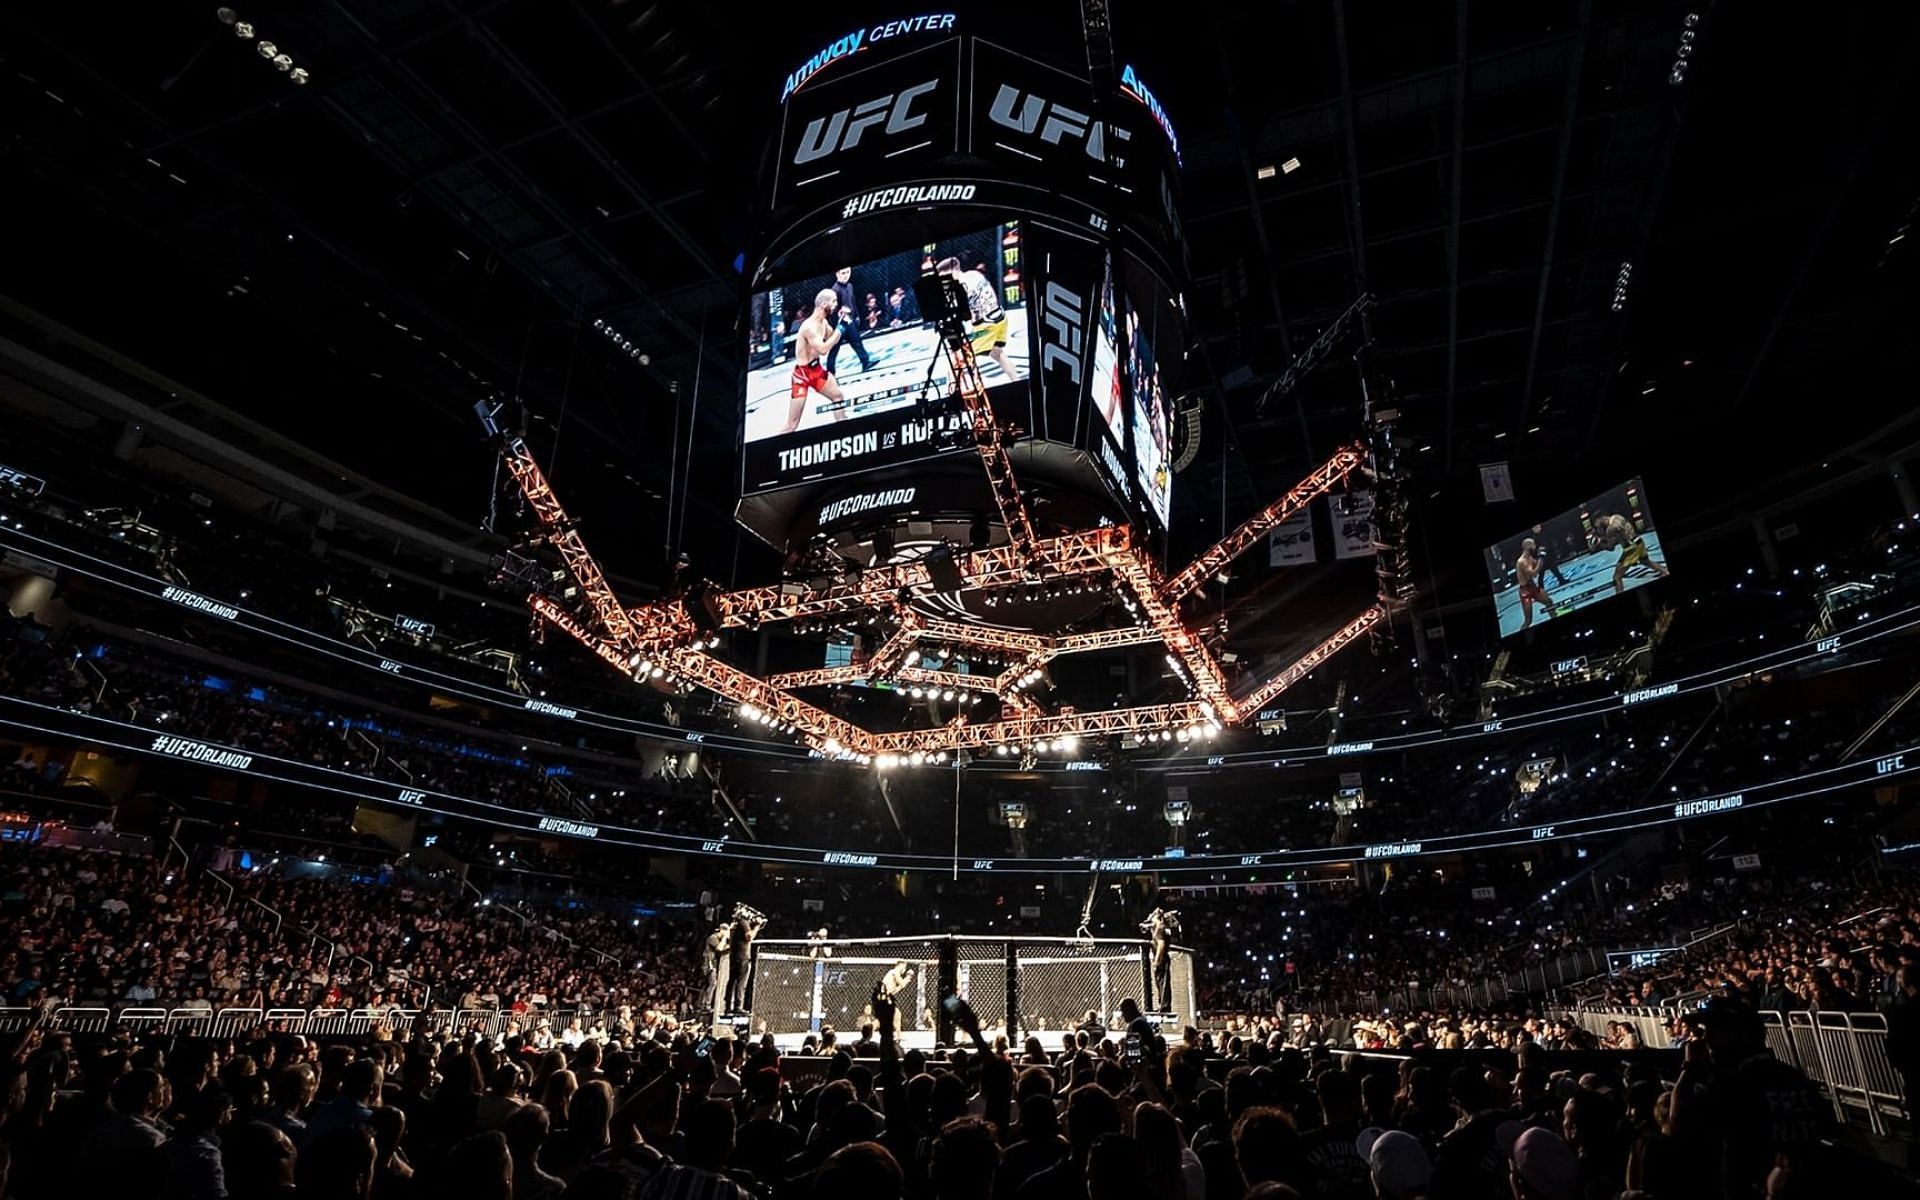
(93, 929)
(1119, 1111)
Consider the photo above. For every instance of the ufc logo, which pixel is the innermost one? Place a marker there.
(1065, 316)
(843, 130)
(1053, 122)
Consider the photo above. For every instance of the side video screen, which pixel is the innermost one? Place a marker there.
(828, 352)
(1589, 553)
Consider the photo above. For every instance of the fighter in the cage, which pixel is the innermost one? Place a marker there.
(747, 923)
(1162, 926)
(889, 988)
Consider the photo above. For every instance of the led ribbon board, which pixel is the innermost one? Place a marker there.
(34, 718)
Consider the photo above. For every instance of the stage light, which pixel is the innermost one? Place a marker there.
(947, 695)
(283, 61)
(1040, 747)
(657, 672)
(267, 49)
(243, 30)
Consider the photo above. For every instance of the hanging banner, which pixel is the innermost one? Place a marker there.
(1496, 482)
(1352, 524)
(1291, 542)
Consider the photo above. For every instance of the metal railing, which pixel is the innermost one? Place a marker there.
(1844, 1053)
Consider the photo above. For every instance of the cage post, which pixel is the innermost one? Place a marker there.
(949, 967)
(1013, 992)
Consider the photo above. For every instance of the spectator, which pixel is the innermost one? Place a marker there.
(526, 1133)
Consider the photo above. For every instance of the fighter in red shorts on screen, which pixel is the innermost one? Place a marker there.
(1526, 570)
(812, 342)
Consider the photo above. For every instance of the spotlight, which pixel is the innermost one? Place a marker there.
(947, 695)
(267, 49)
(226, 15)
(283, 61)
(243, 30)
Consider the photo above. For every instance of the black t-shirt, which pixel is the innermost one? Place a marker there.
(1026, 1158)
(1335, 1170)
(763, 1146)
(1469, 1163)
(1758, 1108)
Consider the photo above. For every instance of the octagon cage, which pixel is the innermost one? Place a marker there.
(1019, 986)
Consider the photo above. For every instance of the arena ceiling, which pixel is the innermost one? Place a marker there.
(461, 190)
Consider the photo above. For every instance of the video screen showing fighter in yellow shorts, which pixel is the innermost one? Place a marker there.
(1615, 529)
(986, 318)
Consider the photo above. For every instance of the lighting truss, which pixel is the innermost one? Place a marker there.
(990, 439)
(673, 637)
(1189, 715)
(1260, 696)
(1325, 478)
(1088, 552)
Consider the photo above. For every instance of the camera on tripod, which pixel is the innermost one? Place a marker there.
(943, 301)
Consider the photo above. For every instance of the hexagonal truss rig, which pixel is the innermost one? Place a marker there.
(674, 638)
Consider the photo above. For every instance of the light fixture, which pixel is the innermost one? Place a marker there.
(267, 49)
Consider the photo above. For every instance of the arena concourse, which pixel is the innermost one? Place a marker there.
(1304, 602)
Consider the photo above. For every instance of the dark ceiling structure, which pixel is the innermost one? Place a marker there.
(1601, 238)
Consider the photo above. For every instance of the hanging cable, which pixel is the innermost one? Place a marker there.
(566, 387)
(693, 420)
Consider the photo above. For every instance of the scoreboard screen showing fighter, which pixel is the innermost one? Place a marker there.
(1589, 553)
(839, 361)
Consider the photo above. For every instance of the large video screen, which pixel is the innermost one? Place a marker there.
(851, 343)
(1589, 553)
(1152, 436)
(1105, 392)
